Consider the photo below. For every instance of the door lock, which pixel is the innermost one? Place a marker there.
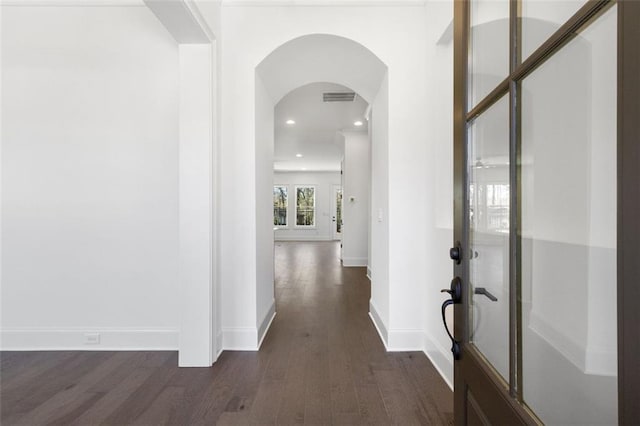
(455, 253)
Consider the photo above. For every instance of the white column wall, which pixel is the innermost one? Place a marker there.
(379, 262)
(439, 122)
(355, 200)
(264, 137)
(196, 194)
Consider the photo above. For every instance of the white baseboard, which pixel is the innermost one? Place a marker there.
(378, 323)
(440, 357)
(354, 261)
(248, 338)
(240, 339)
(73, 339)
(564, 344)
(589, 359)
(405, 340)
(219, 346)
(369, 273)
(266, 323)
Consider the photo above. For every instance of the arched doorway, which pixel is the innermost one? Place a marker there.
(303, 60)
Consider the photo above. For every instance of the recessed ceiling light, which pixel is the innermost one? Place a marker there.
(290, 122)
(358, 123)
(299, 155)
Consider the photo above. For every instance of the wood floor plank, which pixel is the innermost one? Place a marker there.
(112, 402)
(140, 400)
(215, 398)
(20, 374)
(162, 409)
(78, 393)
(292, 407)
(372, 409)
(317, 392)
(62, 376)
(400, 406)
(17, 367)
(265, 407)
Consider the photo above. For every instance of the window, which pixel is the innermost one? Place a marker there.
(490, 210)
(305, 206)
(280, 204)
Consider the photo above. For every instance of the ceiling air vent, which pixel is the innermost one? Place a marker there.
(338, 97)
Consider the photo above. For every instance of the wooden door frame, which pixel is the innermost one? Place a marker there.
(628, 211)
(471, 365)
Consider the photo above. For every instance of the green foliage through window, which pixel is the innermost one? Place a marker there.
(280, 204)
(305, 206)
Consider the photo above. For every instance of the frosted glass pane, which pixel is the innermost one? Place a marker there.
(541, 18)
(489, 234)
(569, 231)
(489, 47)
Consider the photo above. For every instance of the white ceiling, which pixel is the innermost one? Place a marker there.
(315, 133)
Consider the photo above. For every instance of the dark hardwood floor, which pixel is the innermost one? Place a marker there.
(321, 362)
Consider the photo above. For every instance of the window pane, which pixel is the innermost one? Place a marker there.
(280, 204)
(305, 206)
(489, 47)
(541, 18)
(488, 172)
(569, 231)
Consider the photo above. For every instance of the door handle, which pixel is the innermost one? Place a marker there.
(455, 291)
(483, 291)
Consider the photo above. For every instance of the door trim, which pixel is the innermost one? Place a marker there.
(628, 209)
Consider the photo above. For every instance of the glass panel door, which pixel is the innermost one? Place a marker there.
(569, 181)
(488, 192)
(536, 215)
(541, 18)
(488, 47)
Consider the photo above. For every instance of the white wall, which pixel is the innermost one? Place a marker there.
(265, 133)
(438, 119)
(396, 47)
(89, 178)
(379, 262)
(323, 182)
(357, 175)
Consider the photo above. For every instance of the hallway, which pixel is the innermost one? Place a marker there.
(322, 362)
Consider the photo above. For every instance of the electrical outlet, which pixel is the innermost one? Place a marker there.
(91, 338)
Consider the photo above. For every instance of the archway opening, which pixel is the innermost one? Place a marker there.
(299, 63)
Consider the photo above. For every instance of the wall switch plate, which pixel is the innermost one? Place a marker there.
(91, 338)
